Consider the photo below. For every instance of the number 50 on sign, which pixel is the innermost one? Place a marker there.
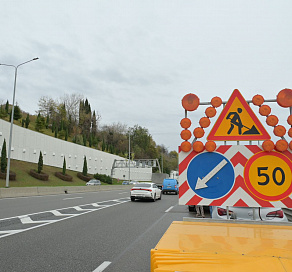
(268, 176)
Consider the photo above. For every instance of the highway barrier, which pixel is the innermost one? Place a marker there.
(213, 245)
(38, 191)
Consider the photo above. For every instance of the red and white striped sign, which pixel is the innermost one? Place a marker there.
(239, 195)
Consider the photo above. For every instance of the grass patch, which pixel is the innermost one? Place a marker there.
(24, 179)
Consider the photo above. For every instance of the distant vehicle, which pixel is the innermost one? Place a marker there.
(126, 182)
(134, 182)
(93, 182)
(146, 190)
(246, 213)
(170, 185)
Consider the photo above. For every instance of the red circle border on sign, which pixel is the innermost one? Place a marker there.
(249, 185)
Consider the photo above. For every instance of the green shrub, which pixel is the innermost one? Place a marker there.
(103, 178)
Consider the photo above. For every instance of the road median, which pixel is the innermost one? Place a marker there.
(38, 191)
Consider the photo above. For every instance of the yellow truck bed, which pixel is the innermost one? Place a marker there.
(213, 245)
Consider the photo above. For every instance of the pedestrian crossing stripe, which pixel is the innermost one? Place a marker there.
(237, 122)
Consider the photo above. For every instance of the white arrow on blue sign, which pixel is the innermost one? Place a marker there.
(210, 175)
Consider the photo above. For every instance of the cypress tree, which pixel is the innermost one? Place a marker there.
(40, 163)
(84, 171)
(27, 121)
(7, 106)
(3, 157)
(64, 166)
(66, 134)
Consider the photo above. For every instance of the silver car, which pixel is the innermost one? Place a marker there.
(93, 182)
(246, 213)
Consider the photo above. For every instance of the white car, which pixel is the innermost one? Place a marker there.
(246, 213)
(145, 190)
(93, 182)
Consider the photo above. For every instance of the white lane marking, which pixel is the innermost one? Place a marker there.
(123, 193)
(169, 209)
(73, 197)
(57, 213)
(48, 222)
(102, 267)
(77, 208)
(27, 220)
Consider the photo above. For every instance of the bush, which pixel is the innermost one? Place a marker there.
(103, 178)
(64, 177)
(41, 176)
(85, 178)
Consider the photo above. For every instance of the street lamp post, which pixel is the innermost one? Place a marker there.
(129, 155)
(12, 116)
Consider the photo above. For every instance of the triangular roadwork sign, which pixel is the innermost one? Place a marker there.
(237, 122)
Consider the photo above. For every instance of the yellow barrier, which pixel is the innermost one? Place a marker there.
(209, 245)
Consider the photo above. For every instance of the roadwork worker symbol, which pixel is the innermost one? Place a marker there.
(235, 120)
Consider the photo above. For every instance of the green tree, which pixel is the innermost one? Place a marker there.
(3, 112)
(66, 134)
(7, 107)
(17, 113)
(3, 157)
(40, 163)
(40, 123)
(84, 171)
(64, 166)
(27, 121)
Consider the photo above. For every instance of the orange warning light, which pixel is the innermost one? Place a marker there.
(185, 123)
(185, 134)
(290, 132)
(210, 146)
(190, 102)
(258, 100)
(199, 132)
(268, 145)
(289, 120)
(281, 145)
(210, 112)
(216, 101)
(204, 122)
(198, 146)
(186, 146)
(272, 120)
(265, 110)
(284, 98)
(279, 130)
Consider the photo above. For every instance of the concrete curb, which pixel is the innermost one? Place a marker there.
(38, 191)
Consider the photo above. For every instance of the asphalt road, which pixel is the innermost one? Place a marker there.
(100, 231)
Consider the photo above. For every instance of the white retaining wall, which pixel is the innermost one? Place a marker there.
(27, 144)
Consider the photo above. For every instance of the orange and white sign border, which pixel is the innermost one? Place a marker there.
(239, 195)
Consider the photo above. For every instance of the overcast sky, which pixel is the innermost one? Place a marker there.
(134, 60)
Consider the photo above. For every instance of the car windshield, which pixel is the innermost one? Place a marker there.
(143, 185)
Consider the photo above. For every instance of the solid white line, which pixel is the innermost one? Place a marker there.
(123, 193)
(169, 209)
(103, 266)
(73, 197)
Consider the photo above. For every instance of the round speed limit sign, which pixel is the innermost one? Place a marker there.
(268, 175)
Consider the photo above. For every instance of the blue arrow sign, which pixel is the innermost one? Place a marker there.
(210, 175)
